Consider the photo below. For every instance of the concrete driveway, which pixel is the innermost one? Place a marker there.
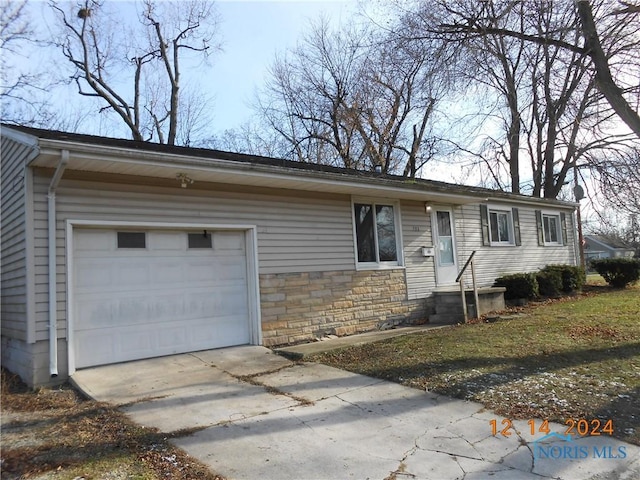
(251, 414)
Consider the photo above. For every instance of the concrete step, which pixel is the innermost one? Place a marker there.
(456, 310)
(491, 299)
(449, 309)
(445, 319)
(449, 298)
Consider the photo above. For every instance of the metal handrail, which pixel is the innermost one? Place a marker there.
(469, 260)
(475, 288)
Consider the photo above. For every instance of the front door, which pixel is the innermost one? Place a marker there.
(444, 241)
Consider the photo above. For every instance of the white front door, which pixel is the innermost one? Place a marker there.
(444, 241)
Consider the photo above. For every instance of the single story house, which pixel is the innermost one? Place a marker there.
(605, 246)
(114, 250)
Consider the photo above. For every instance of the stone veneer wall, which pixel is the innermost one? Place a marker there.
(298, 307)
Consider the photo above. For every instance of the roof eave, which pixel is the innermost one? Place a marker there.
(248, 173)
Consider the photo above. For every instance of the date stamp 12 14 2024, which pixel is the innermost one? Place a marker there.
(581, 427)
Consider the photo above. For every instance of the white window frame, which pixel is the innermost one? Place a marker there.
(509, 212)
(399, 262)
(556, 215)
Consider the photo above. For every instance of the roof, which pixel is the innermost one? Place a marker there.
(610, 241)
(121, 156)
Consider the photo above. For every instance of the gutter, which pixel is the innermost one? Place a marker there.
(433, 191)
(53, 303)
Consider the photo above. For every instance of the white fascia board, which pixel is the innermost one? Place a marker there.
(20, 137)
(540, 203)
(295, 178)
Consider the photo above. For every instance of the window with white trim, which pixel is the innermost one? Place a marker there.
(551, 229)
(376, 234)
(500, 225)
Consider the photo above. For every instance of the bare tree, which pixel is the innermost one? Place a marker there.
(500, 64)
(546, 94)
(352, 99)
(18, 87)
(305, 96)
(250, 138)
(594, 48)
(618, 178)
(623, 21)
(141, 83)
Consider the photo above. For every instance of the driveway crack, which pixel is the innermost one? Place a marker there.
(253, 380)
(524, 443)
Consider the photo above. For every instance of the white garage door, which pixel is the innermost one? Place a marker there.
(140, 294)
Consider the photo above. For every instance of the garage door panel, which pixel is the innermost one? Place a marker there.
(166, 272)
(97, 345)
(160, 300)
(92, 313)
(94, 241)
(168, 308)
(133, 274)
(132, 341)
(172, 337)
(169, 241)
(91, 275)
(226, 241)
(131, 310)
(224, 303)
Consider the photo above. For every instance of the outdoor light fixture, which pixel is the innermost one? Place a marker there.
(427, 208)
(184, 180)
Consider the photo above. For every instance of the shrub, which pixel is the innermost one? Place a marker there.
(549, 282)
(518, 285)
(618, 272)
(573, 278)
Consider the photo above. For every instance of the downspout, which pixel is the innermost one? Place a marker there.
(53, 303)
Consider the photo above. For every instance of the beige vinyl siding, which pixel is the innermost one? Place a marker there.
(296, 233)
(494, 261)
(13, 244)
(416, 233)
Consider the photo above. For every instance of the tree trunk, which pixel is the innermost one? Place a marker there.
(604, 79)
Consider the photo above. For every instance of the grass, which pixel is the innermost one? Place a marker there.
(573, 358)
(56, 433)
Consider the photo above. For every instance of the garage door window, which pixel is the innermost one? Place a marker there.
(132, 240)
(200, 240)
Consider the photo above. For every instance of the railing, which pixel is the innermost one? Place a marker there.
(475, 288)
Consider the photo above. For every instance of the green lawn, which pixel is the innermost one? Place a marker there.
(575, 358)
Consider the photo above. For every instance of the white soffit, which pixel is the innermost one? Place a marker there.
(160, 165)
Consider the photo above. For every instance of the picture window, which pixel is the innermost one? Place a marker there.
(376, 237)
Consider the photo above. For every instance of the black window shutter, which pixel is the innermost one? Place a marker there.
(484, 219)
(516, 226)
(540, 227)
(563, 222)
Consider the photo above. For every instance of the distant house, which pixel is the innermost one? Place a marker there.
(605, 246)
(115, 250)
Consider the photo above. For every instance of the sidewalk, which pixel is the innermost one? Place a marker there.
(299, 352)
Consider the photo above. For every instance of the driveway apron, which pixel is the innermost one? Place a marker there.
(249, 414)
